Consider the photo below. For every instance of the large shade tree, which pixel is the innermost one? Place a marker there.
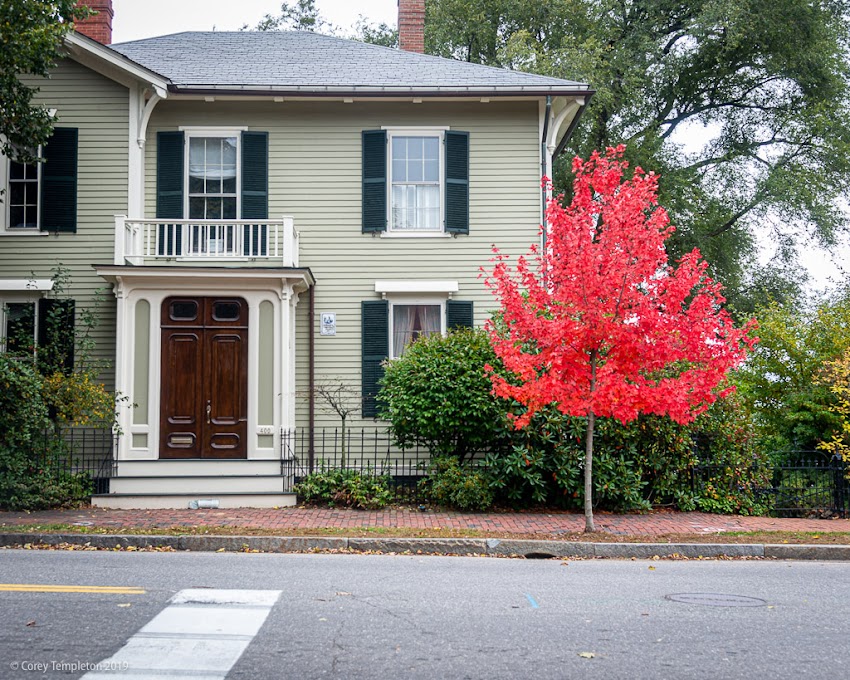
(31, 34)
(599, 323)
(741, 106)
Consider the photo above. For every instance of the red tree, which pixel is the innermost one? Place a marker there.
(600, 324)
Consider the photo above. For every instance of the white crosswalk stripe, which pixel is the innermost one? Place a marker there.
(200, 635)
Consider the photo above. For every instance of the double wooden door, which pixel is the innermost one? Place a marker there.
(204, 383)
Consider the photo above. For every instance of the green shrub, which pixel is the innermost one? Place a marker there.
(438, 395)
(348, 488)
(452, 484)
(32, 476)
(737, 468)
(648, 462)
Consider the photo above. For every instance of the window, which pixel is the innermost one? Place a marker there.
(41, 198)
(19, 329)
(212, 179)
(21, 202)
(23, 195)
(415, 182)
(412, 321)
(415, 170)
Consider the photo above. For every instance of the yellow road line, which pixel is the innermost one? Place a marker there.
(37, 588)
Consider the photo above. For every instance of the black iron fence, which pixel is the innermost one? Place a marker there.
(800, 484)
(363, 449)
(86, 453)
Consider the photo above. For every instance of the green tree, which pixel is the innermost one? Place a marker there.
(31, 33)
(780, 382)
(762, 82)
(437, 395)
(301, 15)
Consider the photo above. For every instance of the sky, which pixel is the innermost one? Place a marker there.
(135, 19)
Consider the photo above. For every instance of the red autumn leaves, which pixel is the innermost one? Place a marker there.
(602, 301)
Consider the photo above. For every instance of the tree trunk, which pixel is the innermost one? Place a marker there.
(588, 452)
(588, 475)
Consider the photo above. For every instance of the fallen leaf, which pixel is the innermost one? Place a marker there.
(30, 623)
(323, 619)
(586, 655)
(220, 550)
(652, 568)
(127, 604)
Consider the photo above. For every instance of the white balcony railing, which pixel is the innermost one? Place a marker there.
(210, 241)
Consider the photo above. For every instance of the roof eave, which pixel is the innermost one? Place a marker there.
(83, 45)
(368, 91)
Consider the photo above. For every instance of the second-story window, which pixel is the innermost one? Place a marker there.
(212, 182)
(415, 184)
(23, 195)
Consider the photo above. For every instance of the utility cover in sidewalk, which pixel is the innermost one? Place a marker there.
(716, 600)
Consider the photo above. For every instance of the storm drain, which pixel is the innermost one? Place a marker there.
(716, 600)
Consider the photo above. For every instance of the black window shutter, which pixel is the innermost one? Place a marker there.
(170, 149)
(56, 335)
(375, 338)
(59, 182)
(457, 182)
(374, 181)
(459, 314)
(255, 190)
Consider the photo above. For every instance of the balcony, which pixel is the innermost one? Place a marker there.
(272, 243)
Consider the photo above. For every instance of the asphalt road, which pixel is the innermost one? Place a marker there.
(370, 616)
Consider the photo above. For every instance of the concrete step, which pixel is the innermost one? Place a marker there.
(196, 468)
(197, 484)
(141, 501)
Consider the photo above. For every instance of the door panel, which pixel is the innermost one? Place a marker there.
(227, 425)
(204, 412)
(182, 372)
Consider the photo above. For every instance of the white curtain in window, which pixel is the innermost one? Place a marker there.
(411, 322)
(212, 157)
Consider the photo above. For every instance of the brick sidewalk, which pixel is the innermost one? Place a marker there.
(552, 524)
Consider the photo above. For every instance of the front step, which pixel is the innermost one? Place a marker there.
(197, 468)
(198, 484)
(158, 501)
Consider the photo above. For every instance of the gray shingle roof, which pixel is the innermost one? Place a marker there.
(297, 61)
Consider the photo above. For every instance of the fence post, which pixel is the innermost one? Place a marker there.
(838, 484)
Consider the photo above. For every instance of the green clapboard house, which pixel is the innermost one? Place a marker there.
(267, 211)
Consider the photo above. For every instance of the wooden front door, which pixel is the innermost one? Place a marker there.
(204, 398)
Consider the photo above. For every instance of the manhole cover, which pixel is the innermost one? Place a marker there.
(716, 600)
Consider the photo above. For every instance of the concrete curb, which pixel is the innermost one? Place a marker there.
(436, 546)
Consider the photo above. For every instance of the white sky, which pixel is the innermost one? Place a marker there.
(136, 19)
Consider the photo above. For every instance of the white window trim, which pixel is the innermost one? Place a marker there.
(5, 230)
(20, 296)
(438, 131)
(196, 131)
(424, 286)
(415, 299)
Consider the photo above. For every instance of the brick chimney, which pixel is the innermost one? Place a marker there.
(98, 26)
(411, 25)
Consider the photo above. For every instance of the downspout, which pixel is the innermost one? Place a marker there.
(311, 380)
(544, 168)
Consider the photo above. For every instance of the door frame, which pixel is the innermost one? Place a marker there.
(133, 285)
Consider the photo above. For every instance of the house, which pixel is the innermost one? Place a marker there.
(268, 210)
